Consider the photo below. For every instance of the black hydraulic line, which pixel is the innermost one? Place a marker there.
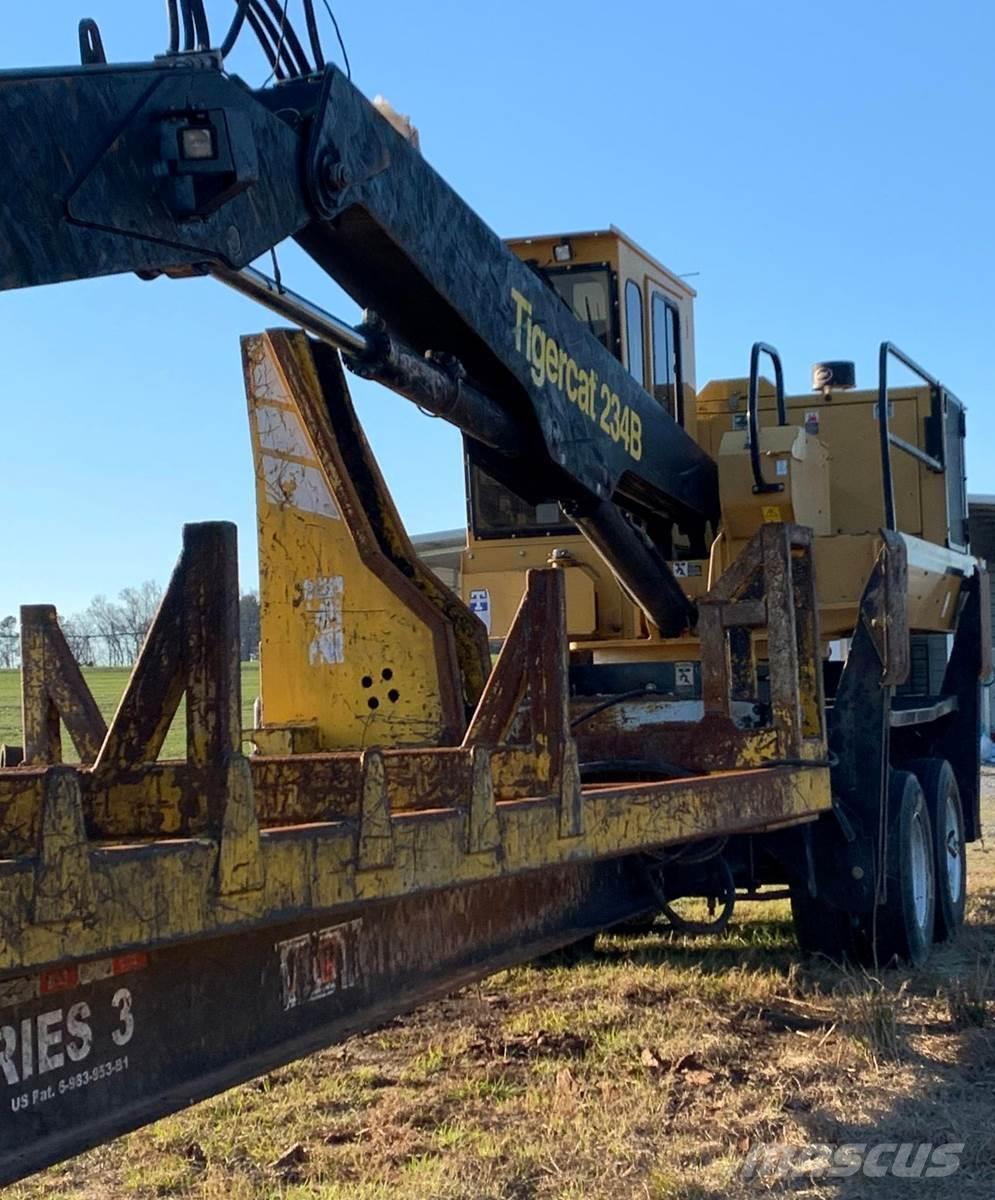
(634, 769)
(173, 17)
(639, 566)
(648, 689)
(237, 21)
(188, 29)
(288, 35)
(338, 34)
(202, 30)
(681, 924)
(314, 35)
(258, 21)
(695, 853)
(280, 48)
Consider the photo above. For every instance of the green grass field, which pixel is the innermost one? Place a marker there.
(107, 684)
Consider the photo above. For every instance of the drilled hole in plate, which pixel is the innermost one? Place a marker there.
(373, 702)
(386, 674)
(367, 681)
(393, 695)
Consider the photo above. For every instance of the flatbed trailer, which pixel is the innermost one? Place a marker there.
(172, 928)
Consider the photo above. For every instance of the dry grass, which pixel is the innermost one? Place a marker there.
(648, 1070)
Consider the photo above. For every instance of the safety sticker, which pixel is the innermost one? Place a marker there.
(480, 603)
(319, 964)
(684, 676)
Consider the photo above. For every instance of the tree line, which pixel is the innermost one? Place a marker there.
(110, 633)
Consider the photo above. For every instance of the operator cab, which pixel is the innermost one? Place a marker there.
(644, 315)
(638, 310)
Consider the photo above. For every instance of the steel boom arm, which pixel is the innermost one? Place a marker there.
(176, 167)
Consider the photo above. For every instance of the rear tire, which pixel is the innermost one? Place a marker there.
(903, 927)
(821, 929)
(939, 784)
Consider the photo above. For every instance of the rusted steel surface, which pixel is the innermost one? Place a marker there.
(168, 799)
(782, 643)
(116, 1042)
(630, 732)
(532, 666)
(156, 892)
(769, 587)
(355, 637)
(884, 610)
(810, 684)
(360, 465)
(134, 853)
(52, 687)
(192, 651)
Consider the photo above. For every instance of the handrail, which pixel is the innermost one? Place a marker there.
(759, 484)
(889, 439)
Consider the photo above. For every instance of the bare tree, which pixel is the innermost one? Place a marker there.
(108, 633)
(10, 643)
(79, 636)
(137, 612)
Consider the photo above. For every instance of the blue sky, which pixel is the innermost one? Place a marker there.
(826, 168)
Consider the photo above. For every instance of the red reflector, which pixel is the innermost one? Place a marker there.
(61, 979)
(130, 962)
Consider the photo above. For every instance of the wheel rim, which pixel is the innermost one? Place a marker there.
(922, 881)
(953, 848)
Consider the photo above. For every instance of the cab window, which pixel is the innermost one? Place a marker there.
(498, 512)
(587, 293)
(634, 330)
(667, 377)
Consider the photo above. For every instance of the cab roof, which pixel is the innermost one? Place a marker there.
(614, 232)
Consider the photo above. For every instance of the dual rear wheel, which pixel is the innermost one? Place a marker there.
(926, 877)
(946, 814)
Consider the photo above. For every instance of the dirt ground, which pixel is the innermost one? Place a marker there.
(648, 1070)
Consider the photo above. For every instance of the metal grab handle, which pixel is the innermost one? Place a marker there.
(889, 439)
(753, 403)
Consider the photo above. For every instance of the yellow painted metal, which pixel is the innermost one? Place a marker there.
(593, 595)
(598, 611)
(935, 579)
(847, 425)
(167, 890)
(790, 457)
(832, 484)
(645, 649)
(349, 645)
(630, 261)
(843, 563)
(832, 480)
(207, 846)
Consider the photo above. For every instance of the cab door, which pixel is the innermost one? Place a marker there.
(666, 381)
